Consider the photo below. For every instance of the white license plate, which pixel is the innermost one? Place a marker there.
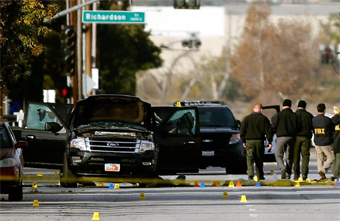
(112, 167)
(208, 153)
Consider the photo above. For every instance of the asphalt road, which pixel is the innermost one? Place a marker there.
(205, 202)
(179, 203)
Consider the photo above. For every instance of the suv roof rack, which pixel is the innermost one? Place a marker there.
(180, 103)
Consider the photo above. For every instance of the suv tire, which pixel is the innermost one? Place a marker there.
(16, 194)
(68, 179)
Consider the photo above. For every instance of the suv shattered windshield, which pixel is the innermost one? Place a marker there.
(112, 112)
(110, 125)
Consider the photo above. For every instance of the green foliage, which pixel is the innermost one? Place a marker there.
(52, 60)
(122, 51)
(21, 32)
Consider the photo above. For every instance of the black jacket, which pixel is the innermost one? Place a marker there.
(305, 123)
(323, 130)
(256, 126)
(285, 123)
(336, 134)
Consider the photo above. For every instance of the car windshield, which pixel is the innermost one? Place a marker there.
(112, 110)
(217, 117)
(4, 138)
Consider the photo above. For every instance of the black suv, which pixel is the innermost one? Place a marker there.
(111, 136)
(221, 144)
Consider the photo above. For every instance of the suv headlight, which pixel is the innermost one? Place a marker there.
(235, 138)
(146, 146)
(78, 143)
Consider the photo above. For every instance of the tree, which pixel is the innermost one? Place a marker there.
(203, 80)
(21, 29)
(21, 32)
(277, 58)
(329, 34)
(124, 50)
(330, 30)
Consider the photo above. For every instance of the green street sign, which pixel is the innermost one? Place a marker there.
(116, 17)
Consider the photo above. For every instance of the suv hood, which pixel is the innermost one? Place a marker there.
(112, 111)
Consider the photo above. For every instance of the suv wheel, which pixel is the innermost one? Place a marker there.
(16, 194)
(68, 179)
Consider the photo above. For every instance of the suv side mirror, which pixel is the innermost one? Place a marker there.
(52, 126)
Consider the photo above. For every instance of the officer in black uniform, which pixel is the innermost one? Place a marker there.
(254, 130)
(303, 140)
(336, 144)
(323, 139)
(285, 125)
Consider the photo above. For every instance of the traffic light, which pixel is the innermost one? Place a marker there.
(187, 4)
(192, 43)
(327, 54)
(66, 92)
(70, 50)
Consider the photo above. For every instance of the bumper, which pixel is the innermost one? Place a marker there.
(9, 178)
(223, 157)
(130, 164)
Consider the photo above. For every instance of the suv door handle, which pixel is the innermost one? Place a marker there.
(189, 142)
(30, 137)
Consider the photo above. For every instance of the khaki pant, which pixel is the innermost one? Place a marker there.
(321, 152)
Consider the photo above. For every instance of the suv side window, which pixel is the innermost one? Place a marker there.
(38, 115)
(182, 123)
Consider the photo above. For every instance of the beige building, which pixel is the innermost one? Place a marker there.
(218, 26)
(215, 27)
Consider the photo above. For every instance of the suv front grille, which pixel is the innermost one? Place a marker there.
(115, 145)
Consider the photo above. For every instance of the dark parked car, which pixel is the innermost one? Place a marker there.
(221, 144)
(11, 163)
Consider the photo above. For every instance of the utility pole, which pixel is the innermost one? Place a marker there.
(75, 19)
(72, 20)
(88, 48)
(227, 60)
(79, 65)
(94, 47)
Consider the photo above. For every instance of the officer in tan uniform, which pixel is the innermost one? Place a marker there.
(323, 139)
